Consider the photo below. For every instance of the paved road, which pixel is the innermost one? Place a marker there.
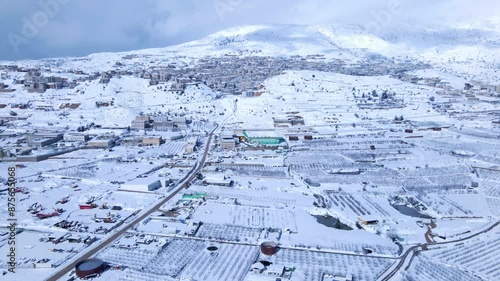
(412, 249)
(104, 243)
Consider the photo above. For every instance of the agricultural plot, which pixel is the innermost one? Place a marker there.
(315, 264)
(321, 173)
(376, 155)
(424, 270)
(227, 232)
(346, 200)
(483, 149)
(250, 200)
(260, 171)
(108, 169)
(317, 157)
(247, 216)
(173, 258)
(348, 247)
(34, 250)
(442, 205)
(334, 166)
(378, 205)
(86, 166)
(437, 171)
(448, 183)
(133, 275)
(263, 217)
(479, 133)
(491, 188)
(490, 181)
(362, 204)
(348, 144)
(170, 148)
(494, 205)
(463, 180)
(84, 171)
(489, 175)
(227, 263)
(131, 258)
(479, 256)
(437, 178)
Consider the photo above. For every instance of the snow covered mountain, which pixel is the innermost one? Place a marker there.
(288, 40)
(467, 43)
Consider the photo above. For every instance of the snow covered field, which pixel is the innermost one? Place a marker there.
(345, 173)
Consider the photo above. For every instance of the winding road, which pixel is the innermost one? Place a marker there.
(389, 275)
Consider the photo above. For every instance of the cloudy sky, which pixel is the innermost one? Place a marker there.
(31, 29)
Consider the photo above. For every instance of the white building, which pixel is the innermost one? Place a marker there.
(228, 143)
(276, 270)
(189, 148)
(172, 136)
(142, 185)
(217, 179)
(192, 140)
(179, 120)
(335, 277)
(257, 267)
(76, 137)
(101, 143)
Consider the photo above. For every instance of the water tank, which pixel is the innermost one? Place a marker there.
(269, 248)
(90, 267)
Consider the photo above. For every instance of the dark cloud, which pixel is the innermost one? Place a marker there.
(78, 27)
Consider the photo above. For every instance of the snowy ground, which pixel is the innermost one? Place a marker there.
(330, 203)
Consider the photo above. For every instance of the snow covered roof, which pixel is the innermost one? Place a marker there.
(142, 181)
(258, 265)
(274, 268)
(261, 134)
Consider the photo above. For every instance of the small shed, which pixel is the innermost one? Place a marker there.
(257, 268)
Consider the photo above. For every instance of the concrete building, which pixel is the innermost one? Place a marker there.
(100, 143)
(103, 141)
(144, 118)
(152, 141)
(228, 143)
(163, 124)
(140, 122)
(131, 141)
(41, 139)
(189, 148)
(179, 120)
(172, 136)
(142, 185)
(138, 125)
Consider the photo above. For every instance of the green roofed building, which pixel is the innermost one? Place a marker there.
(194, 196)
(263, 137)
